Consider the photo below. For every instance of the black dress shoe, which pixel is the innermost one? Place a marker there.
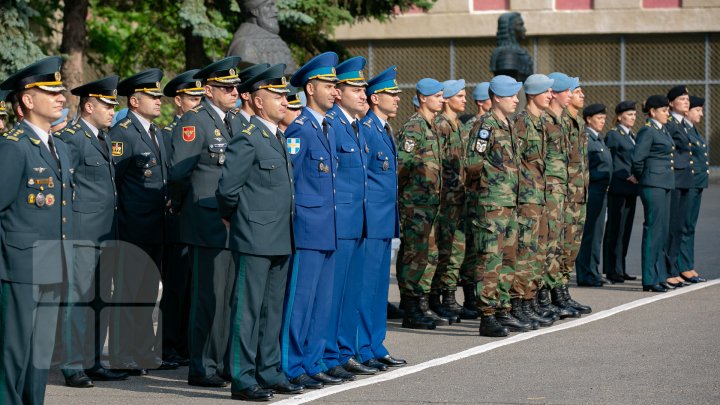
(375, 364)
(253, 393)
(131, 368)
(628, 277)
(213, 381)
(391, 361)
(286, 387)
(341, 373)
(103, 374)
(355, 367)
(326, 379)
(615, 279)
(176, 358)
(654, 288)
(167, 365)
(595, 284)
(668, 285)
(693, 279)
(79, 380)
(307, 382)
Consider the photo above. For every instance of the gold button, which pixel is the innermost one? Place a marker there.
(64, 203)
(672, 161)
(691, 162)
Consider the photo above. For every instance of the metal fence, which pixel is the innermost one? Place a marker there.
(611, 67)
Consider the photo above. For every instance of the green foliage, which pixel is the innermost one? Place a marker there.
(18, 44)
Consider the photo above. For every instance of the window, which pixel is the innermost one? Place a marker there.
(661, 3)
(573, 4)
(489, 5)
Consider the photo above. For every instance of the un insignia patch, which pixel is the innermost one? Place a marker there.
(483, 134)
(480, 145)
(293, 146)
(409, 145)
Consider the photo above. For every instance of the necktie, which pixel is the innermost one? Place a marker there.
(325, 130)
(53, 152)
(227, 125)
(153, 135)
(388, 130)
(279, 135)
(355, 128)
(101, 138)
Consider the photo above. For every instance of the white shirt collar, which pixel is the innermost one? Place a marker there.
(39, 132)
(688, 122)
(594, 132)
(349, 117)
(318, 117)
(217, 109)
(245, 114)
(94, 130)
(677, 116)
(145, 123)
(624, 128)
(656, 123)
(272, 127)
(382, 122)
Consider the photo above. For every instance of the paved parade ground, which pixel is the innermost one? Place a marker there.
(635, 348)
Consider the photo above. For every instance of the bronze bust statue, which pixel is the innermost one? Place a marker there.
(509, 58)
(258, 40)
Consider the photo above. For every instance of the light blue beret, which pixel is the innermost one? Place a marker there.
(62, 118)
(416, 102)
(537, 84)
(575, 83)
(428, 86)
(504, 86)
(452, 87)
(561, 82)
(119, 115)
(481, 91)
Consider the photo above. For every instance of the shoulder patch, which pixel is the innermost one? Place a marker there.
(483, 134)
(409, 145)
(117, 148)
(188, 133)
(293, 146)
(126, 123)
(249, 129)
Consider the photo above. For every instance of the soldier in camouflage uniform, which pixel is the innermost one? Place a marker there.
(532, 231)
(482, 101)
(419, 185)
(491, 181)
(449, 230)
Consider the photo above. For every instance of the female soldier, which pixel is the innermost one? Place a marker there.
(622, 195)
(652, 165)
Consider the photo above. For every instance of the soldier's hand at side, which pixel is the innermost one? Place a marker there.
(226, 222)
(632, 179)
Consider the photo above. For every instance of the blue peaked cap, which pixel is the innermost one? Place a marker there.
(384, 82)
(321, 67)
(350, 71)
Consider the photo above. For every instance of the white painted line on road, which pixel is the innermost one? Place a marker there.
(402, 372)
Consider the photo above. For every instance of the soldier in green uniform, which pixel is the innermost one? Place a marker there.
(492, 182)
(482, 102)
(587, 264)
(532, 230)
(186, 93)
(652, 165)
(200, 140)
(450, 225)
(240, 116)
(419, 185)
(700, 172)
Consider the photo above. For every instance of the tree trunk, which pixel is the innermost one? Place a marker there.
(195, 57)
(73, 44)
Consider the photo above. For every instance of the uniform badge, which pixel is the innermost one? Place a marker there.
(367, 150)
(217, 132)
(117, 148)
(409, 145)
(39, 169)
(31, 199)
(31, 182)
(147, 173)
(146, 154)
(293, 146)
(40, 200)
(480, 145)
(483, 134)
(49, 200)
(188, 134)
(386, 165)
(221, 158)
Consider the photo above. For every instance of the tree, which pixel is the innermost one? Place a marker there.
(73, 44)
(18, 44)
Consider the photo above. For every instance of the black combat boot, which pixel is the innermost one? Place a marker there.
(449, 302)
(489, 326)
(428, 313)
(541, 312)
(545, 304)
(558, 299)
(441, 310)
(529, 312)
(583, 309)
(414, 319)
(394, 312)
(505, 318)
(470, 302)
(517, 312)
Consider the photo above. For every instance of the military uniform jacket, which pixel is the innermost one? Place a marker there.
(237, 121)
(419, 163)
(314, 160)
(492, 173)
(701, 165)
(351, 179)
(383, 220)
(531, 139)
(172, 221)
(621, 148)
(599, 159)
(141, 179)
(578, 173)
(95, 202)
(255, 192)
(35, 208)
(200, 141)
(556, 155)
(453, 143)
(653, 157)
(682, 158)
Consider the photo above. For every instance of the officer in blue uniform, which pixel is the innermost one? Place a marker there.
(351, 203)
(35, 232)
(311, 142)
(652, 165)
(622, 196)
(383, 223)
(95, 227)
(587, 264)
(186, 92)
(700, 171)
(240, 116)
(141, 180)
(199, 143)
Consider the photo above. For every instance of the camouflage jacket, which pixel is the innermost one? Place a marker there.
(453, 140)
(471, 122)
(419, 167)
(492, 161)
(530, 133)
(578, 169)
(556, 156)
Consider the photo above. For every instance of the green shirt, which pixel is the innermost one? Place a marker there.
(531, 137)
(453, 138)
(419, 163)
(578, 169)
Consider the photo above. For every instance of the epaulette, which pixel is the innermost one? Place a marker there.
(331, 115)
(14, 134)
(57, 134)
(12, 138)
(196, 108)
(300, 120)
(249, 129)
(125, 123)
(235, 111)
(170, 126)
(70, 130)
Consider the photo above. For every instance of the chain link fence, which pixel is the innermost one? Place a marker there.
(611, 67)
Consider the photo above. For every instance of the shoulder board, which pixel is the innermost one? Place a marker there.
(648, 124)
(197, 108)
(57, 134)
(70, 130)
(125, 123)
(14, 132)
(235, 111)
(300, 120)
(331, 114)
(12, 138)
(249, 129)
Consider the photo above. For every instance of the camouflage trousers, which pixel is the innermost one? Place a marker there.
(450, 236)
(530, 262)
(572, 239)
(552, 248)
(494, 230)
(417, 257)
